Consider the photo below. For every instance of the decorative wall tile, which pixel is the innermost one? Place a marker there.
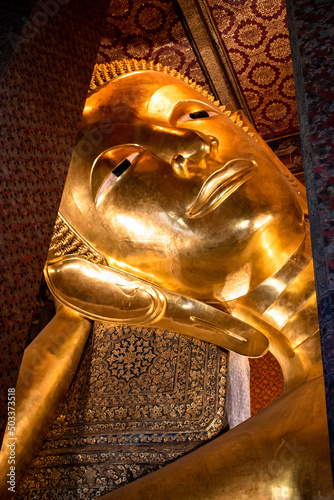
(150, 31)
(256, 37)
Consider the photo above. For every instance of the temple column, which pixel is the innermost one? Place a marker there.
(312, 42)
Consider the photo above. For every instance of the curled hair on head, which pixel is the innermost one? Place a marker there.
(66, 241)
(106, 72)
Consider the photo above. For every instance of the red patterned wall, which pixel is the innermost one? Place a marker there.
(266, 382)
(254, 33)
(42, 95)
(148, 30)
(256, 37)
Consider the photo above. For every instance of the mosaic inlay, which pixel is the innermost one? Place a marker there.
(140, 399)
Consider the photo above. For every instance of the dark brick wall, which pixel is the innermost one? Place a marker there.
(43, 89)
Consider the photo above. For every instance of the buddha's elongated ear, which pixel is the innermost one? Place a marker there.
(107, 294)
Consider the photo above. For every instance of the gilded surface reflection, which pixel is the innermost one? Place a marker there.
(176, 214)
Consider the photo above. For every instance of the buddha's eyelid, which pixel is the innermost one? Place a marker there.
(131, 157)
(187, 117)
(111, 177)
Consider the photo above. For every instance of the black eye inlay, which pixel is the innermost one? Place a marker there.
(120, 169)
(199, 114)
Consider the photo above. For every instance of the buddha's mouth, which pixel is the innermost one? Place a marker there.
(220, 185)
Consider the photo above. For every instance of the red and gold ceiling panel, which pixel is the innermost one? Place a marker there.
(255, 35)
(149, 30)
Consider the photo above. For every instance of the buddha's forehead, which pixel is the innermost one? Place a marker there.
(148, 95)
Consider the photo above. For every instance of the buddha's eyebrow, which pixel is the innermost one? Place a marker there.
(164, 99)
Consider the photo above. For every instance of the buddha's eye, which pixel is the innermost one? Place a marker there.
(109, 167)
(124, 165)
(197, 115)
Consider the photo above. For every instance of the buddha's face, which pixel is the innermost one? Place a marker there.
(167, 187)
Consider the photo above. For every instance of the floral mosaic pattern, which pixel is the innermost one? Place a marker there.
(266, 381)
(150, 31)
(140, 399)
(255, 34)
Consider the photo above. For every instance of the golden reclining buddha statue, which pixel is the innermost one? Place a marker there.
(184, 220)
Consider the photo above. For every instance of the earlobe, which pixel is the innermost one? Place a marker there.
(106, 294)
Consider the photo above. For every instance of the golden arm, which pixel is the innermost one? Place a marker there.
(107, 294)
(48, 366)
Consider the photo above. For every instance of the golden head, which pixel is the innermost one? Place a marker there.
(165, 185)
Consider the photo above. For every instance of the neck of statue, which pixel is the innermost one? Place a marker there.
(284, 308)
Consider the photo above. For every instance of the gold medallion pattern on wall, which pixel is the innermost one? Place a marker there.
(152, 31)
(256, 37)
(140, 399)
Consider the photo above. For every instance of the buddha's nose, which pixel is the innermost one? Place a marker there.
(189, 161)
(185, 150)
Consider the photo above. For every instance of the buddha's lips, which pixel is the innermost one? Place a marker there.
(220, 185)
